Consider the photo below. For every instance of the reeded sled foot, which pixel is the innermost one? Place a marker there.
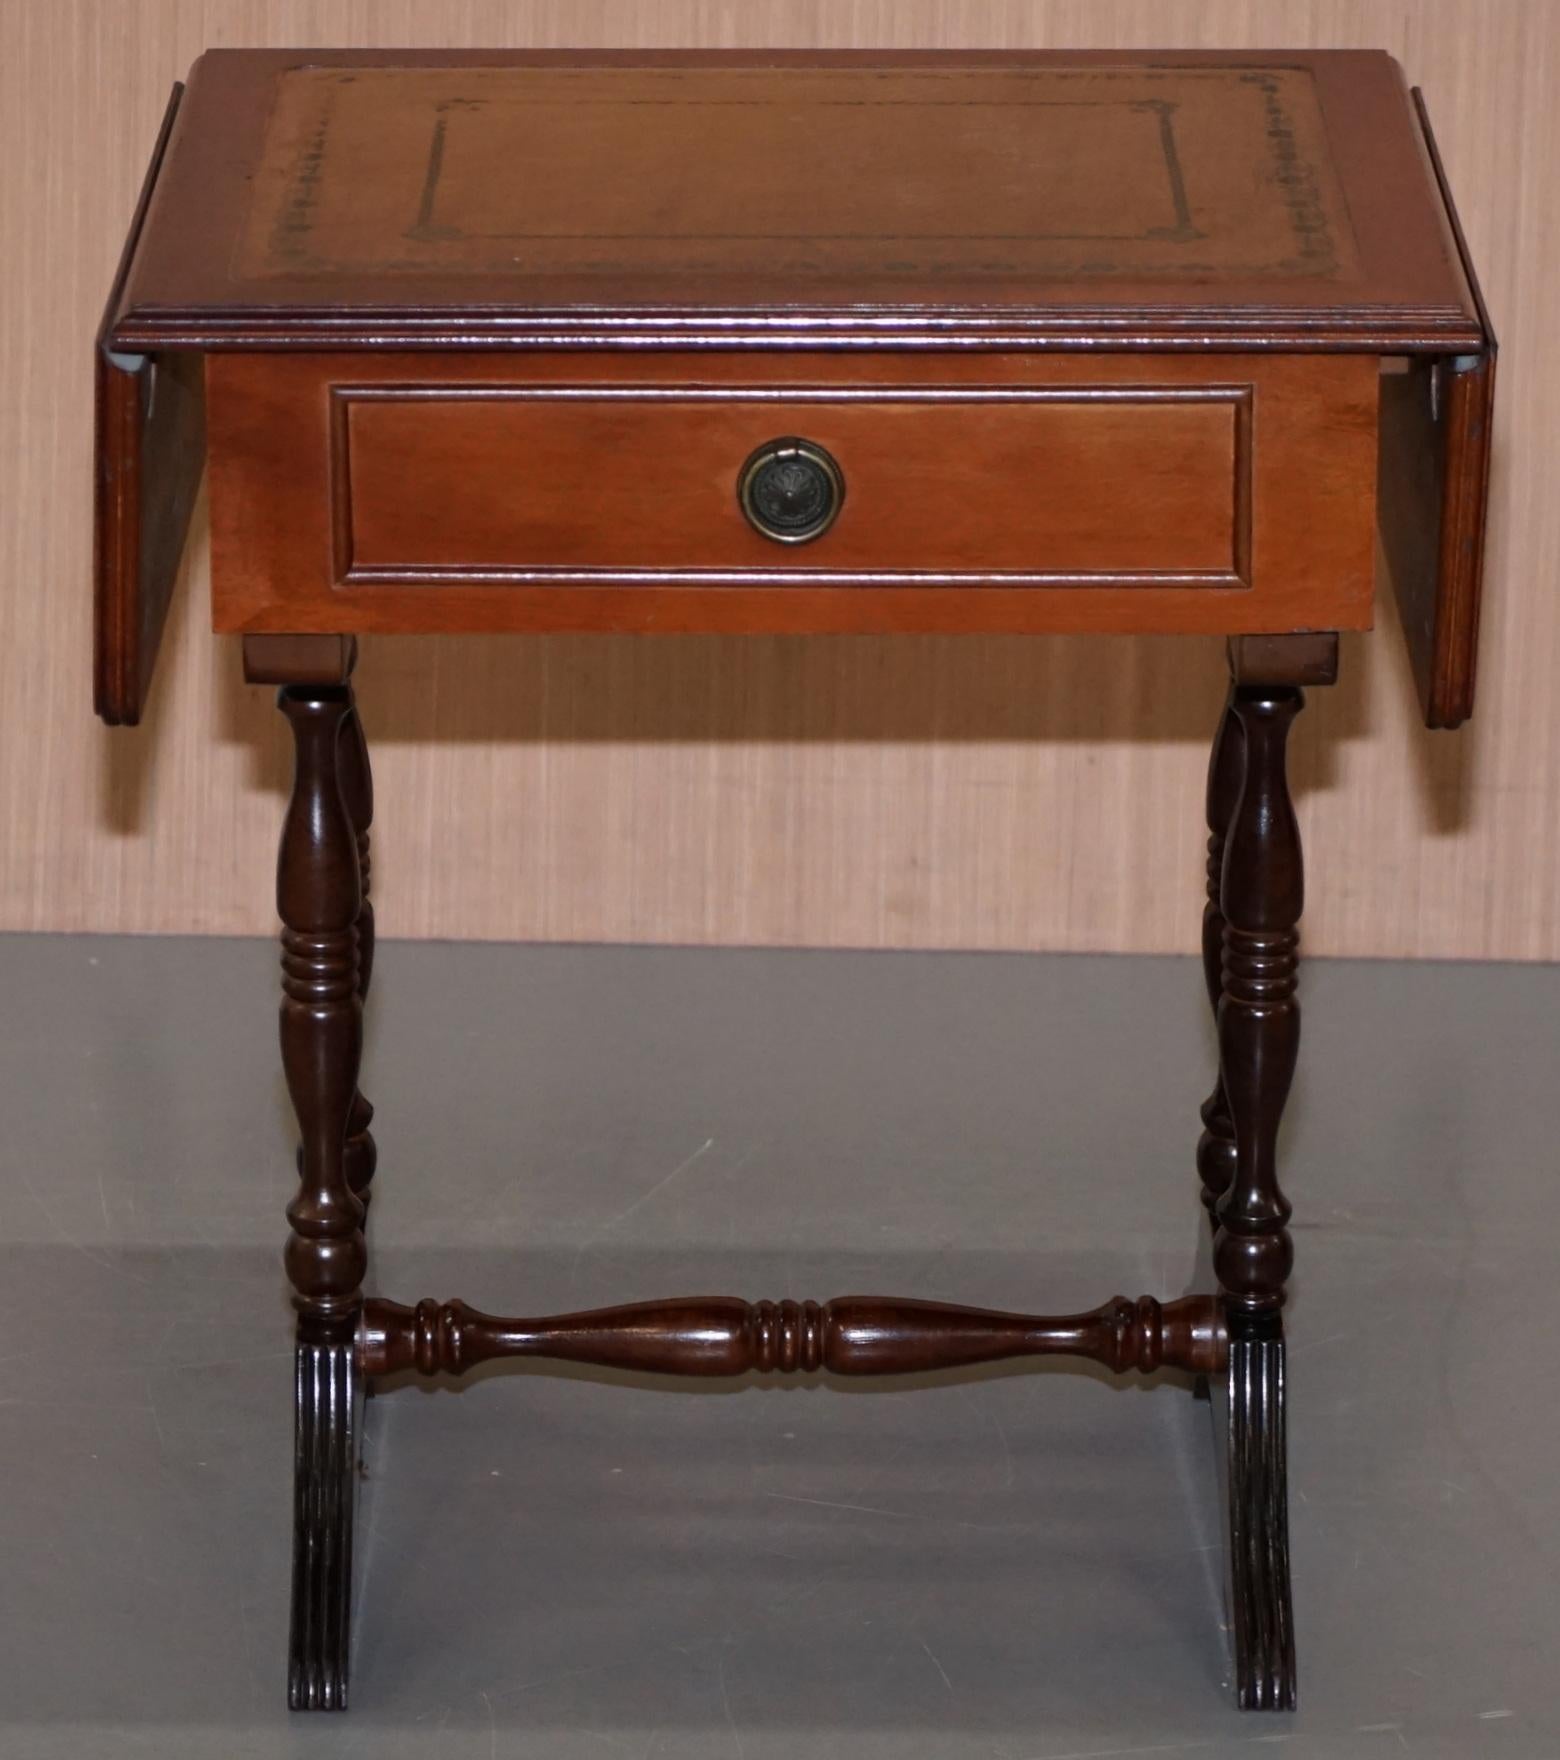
(1249, 1437)
(328, 1440)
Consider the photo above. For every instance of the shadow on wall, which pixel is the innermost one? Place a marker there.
(1106, 690)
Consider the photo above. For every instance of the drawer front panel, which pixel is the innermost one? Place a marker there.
(1042, 484)
(982, 492)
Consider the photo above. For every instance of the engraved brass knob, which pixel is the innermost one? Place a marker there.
(790, 490)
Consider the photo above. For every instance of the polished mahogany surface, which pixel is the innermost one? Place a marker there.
(348, 195)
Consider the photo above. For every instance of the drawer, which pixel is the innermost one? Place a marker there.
(599, 491)
(1040, 484)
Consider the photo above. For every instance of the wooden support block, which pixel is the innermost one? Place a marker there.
(1306, 657)
(318, 660)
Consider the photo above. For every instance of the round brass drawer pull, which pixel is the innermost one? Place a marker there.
(790, 490)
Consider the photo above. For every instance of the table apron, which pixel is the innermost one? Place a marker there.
(416, 493)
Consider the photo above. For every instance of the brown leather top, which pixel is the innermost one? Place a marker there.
(367, 197)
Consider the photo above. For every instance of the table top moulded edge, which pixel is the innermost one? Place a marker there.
(1435, 424)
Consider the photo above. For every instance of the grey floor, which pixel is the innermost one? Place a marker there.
(1015, 1565)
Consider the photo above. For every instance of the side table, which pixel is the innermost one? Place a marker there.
(783, 342)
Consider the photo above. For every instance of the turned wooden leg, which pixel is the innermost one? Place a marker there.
(1216, 1147)
(1259, 1029)
(319, 900)
(357, 792)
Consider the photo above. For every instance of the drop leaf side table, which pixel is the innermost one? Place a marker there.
(814, 343)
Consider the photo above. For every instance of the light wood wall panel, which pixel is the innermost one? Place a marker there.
(905, 792)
